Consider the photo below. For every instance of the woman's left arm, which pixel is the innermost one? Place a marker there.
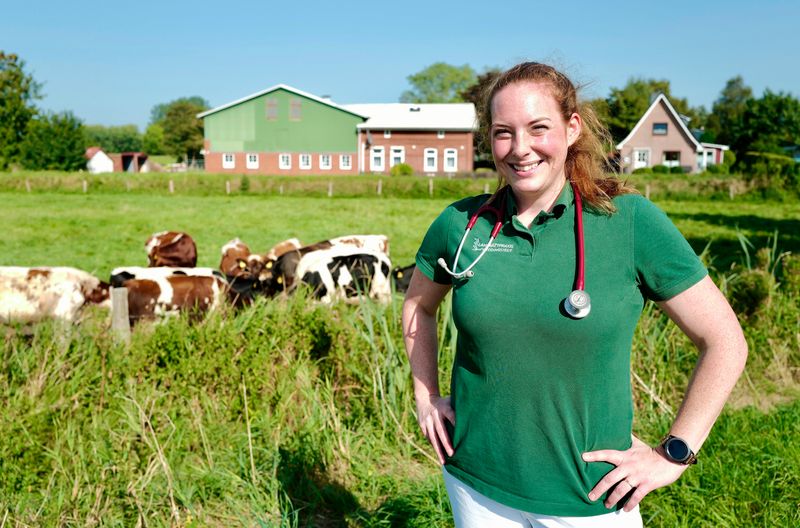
(705, 316)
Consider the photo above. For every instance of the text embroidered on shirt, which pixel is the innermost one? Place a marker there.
(496, 247)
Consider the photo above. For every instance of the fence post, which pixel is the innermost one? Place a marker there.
(647, 191)
(171, 187)
(85, 187)
(227, 186)
(120, 324)
(485, 188)
(128, 185)
(430, 187)
(27, 184)
(280, 189)
(380, 187)
(731, 191)
(330, 189)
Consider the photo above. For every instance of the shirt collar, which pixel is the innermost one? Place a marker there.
(564, 201)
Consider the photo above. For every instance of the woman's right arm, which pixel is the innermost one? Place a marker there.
(419, 333)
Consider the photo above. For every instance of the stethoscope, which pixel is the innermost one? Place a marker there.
(577, 304)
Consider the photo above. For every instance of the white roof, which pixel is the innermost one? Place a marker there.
(410, 116)
(676, 115)
(286, 87)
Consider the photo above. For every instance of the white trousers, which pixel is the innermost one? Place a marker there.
(473, 510)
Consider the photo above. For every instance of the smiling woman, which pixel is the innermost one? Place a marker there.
(538, 427)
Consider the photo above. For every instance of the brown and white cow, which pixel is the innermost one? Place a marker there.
(170, 295)
(346, 273)
(242, 270)
(171, 248)
(125, 273)
(282, 248)
(29, 295)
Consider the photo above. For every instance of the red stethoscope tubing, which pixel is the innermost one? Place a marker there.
(579, 273)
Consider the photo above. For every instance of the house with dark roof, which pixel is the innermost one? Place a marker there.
(662, 137)
(283, 130)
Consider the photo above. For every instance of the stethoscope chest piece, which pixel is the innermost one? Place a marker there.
(578, 304)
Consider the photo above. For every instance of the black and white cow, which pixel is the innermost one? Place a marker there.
(346, 273)
(401, 277)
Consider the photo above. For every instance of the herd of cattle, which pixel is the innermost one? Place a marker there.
(346, 268)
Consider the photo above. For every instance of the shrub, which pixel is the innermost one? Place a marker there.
(661, 169)
(790, 275)
(402, 169)
(717, 169)
(244, 184)
(676, 170)
(728, 159)
(751, 291)
(643, 170)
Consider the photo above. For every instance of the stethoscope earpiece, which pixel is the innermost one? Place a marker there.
(578, 304)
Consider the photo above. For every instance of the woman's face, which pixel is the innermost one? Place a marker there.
(530, 139)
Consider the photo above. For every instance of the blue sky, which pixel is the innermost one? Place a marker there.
(109, 64)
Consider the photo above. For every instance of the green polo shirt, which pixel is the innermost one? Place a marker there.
(532, 388)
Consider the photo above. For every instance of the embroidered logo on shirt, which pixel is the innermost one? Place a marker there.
(496, 247)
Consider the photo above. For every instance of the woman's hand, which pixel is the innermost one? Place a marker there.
(431, 414)
(641, 469)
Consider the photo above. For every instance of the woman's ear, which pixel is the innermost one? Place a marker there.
(574, 127)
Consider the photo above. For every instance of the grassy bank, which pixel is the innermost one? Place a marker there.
(290, 414)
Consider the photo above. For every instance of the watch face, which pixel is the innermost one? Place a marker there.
(677, 449)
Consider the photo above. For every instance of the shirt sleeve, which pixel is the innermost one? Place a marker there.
(434, 247)
(665, 263)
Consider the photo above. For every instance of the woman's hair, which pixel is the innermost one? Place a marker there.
(587, 164)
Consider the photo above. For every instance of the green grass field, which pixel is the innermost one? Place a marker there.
(291, 414)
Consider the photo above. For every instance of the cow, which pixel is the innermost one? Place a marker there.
(281, 248)
(122, 274)
(347, 273)
(401, 277)
(29, 295)
(171, 248)
(242, 270)
(378, 243)
(172, 294)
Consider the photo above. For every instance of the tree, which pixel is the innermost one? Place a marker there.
(725, 121)
(474, 94)
(159, 111)
(625, 106)
(153, 139)
(18, 90)
(53, 142)
(183, 131)
(439, 83)
(124, 138)
(769, 124)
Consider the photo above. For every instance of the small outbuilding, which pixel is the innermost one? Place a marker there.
(97, 161)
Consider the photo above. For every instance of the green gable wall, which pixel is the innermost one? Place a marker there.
(245, 128)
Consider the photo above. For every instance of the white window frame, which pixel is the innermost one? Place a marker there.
(322, 164)
(454, 154)
(396, 150)
(228, 160)
(427, 167)
(284, 161)
(387, 134)
(375, 152)
(304, 158)
(440, 134)
(345, 162)
(251, 161)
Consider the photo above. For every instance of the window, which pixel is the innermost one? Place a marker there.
(345, 162)
(285, 161)
(272, 109)
(252, 161)
(295, 110)
(641, 156)
(376, 159)
(659, 129)
(305, 161)
(450, 160)
(440, 134)
(325, 161)
(672, 159)
(398, 156)
(430, 160)
(228, 161)
(387, 134)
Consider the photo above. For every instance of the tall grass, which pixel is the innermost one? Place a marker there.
(293, 414)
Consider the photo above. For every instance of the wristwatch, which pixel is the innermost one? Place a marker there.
(678, 451)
